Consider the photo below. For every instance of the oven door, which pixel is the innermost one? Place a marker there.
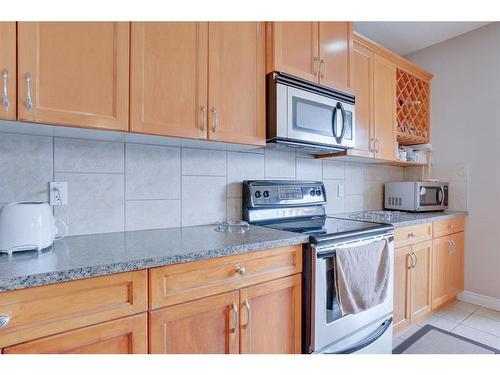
(329, 326)
(319, 119)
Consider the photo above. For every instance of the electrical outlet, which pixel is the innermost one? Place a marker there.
(56, 199)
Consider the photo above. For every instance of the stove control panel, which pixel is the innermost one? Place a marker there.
(279, 193)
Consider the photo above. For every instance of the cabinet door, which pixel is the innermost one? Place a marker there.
(402, 290)
(384, 72)
(363, 89)
(421, 280)
(204, 326)
(122, 336)
(237, 82)
(442, 248)
(456, 265)
(8, 98)
(270, 314)
(294, 48)
(168, 78)
(335, 53)
(74, 73)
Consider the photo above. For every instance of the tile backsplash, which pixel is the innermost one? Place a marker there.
(115, 186)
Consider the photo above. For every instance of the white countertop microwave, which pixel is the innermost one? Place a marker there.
(416, 196)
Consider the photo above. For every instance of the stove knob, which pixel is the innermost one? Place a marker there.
(258, 194)
(313, 193)
(266, 194)
(318, 192)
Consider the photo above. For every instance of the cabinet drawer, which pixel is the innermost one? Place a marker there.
(46, 310)
(174, 284)
(446, 227)
(122, 336)
(409, 235)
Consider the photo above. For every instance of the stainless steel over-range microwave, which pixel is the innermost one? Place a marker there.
(416, 196)
(308, 116)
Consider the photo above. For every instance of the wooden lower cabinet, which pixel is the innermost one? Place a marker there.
(412, 283)
(402, 288)
(420, 300)
(121, 336)
(271, 317)
(448, 272)
(428, 269)
(264, 318)
(208, 325)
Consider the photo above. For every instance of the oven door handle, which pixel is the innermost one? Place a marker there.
(366, 341)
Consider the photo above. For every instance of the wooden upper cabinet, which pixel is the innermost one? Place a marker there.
(236, 77)
(384, 85)
(74, 73)
(270, 317)
(8, 97)
(122, 336)
(293, 48)
(402, 289)
(362, 83)
(421, 280)
(335, 54)
(168, 78)
(204, 326)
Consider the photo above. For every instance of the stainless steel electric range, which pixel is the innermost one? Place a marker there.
(299, 206)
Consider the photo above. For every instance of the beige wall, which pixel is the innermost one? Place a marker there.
(465, 134)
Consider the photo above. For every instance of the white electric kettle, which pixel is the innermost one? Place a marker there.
(27, 226)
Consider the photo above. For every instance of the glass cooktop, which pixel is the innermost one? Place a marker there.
(328, 227)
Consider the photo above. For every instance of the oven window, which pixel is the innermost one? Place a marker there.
(313, 117)
(333, 311)
(430, 196)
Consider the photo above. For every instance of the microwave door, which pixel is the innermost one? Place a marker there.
(314, 118)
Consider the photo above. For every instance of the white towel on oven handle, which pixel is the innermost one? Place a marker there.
(362, 276)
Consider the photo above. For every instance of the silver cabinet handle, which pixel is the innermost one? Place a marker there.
(411, 235)
(240, 270)
(322, 64)
(5, 97)
(235, 317)
(371, 145)
(4, 321)
(203, 123)
(29, 103)
(247, 307)
(416, 260)
(413, 260)
(376, 144)
(215, 125)
(454, 245)
(315, 66)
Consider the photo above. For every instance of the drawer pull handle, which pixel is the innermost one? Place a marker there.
(4, 321)
(247, 307)
(240, 270)
(451, 226)
(411, 235)
(235, 317)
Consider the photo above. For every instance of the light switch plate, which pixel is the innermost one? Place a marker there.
(62, 187)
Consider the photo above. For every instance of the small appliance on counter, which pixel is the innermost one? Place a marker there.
(416, 196)
(27, 226)
(299, 206)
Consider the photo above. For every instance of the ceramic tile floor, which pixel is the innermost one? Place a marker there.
(465, 319)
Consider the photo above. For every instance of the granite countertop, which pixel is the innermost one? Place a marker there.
(78, 257)
(400, 219)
